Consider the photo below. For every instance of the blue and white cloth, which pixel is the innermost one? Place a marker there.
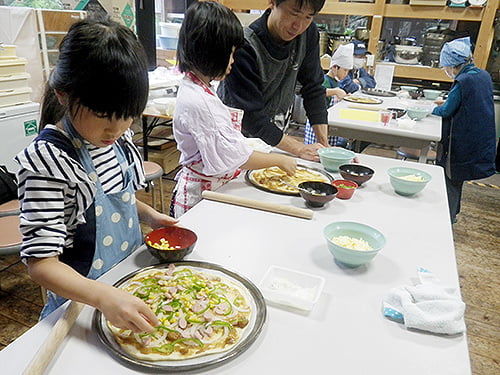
(428, 306)
(455, 53)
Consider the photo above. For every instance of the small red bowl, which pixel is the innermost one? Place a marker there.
(345, 188)
(181, 239)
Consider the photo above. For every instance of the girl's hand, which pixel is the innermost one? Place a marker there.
(126, 311)
(439, 102)
(288, 164)
(159, 220)
(153, 218)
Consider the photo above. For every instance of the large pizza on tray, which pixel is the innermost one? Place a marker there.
(200, 313)
(277, 180)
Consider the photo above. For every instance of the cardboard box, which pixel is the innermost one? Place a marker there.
(167, 158)
(121, 11)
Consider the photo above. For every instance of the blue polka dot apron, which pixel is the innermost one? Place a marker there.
(114, 219)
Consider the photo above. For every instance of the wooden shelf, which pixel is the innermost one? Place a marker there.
(378, 10)
(432, 12)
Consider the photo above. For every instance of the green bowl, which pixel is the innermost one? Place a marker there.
(417, 113)
(431, 94)
(406, 187)
(350, 257)
(333, 157)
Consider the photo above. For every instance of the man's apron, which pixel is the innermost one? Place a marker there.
(191, 182)
(116, 227)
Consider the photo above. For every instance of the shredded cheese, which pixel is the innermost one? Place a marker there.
(412, 177)
(352, 243)
(163, 245)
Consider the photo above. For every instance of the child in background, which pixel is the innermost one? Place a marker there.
(77, 180)
(340, 64)
(358, 78)
(467, 146)
(212, 151)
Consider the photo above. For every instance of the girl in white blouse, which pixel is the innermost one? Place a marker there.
(212, 150)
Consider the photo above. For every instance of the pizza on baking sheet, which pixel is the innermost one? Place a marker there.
(272, 178)
(363, 100)
(200, 313)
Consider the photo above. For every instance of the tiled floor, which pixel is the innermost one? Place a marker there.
(477, 240)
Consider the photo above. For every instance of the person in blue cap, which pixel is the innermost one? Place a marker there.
(358, 78)
(467, 147)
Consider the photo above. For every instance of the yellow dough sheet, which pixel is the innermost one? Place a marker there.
(359, 114)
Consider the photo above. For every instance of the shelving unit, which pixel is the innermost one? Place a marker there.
(52, 26)
(380, 10)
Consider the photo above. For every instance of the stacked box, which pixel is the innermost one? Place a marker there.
(121, 11)
(14, 87)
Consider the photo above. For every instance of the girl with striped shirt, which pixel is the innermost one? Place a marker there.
(77, 180)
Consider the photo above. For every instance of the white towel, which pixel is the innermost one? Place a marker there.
(428, 306)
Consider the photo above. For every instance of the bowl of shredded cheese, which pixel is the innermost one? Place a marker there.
(171, 244)
(408, 181)
(353, 244)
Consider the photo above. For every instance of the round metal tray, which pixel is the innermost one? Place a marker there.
(352, 99)
(251, 180)
(256, 324)
(378, 92)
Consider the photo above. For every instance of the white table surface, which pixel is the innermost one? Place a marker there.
(345, 333)
(425, 131)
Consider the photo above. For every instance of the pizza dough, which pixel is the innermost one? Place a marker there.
(270, 178)
(200, 313)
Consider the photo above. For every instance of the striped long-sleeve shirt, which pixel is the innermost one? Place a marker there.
(55, 191)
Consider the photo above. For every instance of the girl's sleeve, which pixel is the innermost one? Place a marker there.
(451, 104)
(53, 190)
(222, 148)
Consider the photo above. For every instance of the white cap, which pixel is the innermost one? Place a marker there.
(343, 56)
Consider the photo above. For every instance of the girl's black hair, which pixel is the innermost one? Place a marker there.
(207, 37)
(101, 66)
(316, 5)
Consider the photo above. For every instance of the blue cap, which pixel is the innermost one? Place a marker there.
(456, 52)
(359, 47)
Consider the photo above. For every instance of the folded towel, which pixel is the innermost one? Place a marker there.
(428, 306)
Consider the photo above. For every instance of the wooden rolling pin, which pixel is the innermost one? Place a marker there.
(42, 358)
(265, 206)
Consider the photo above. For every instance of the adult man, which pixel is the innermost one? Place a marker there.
(281, 48)
(358, 78)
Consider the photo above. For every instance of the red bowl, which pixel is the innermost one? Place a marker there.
(181, 239)
(343, 192)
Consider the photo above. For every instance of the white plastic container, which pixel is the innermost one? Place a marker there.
(12, 66)
(292, 288)
(165, 106)
(170, 29)
(15, 81)
(15, 97)
(7, 51)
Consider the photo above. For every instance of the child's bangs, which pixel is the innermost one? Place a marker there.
(122, 93)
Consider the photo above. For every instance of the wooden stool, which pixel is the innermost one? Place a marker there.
(153, 172)
(9, 208)
(414, 153)
(10, 236)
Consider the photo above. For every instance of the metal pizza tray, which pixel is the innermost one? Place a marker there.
(378, 92)
(251, 180)
(352, 99)
(256, 324)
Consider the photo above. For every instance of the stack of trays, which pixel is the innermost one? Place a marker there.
(14, 87)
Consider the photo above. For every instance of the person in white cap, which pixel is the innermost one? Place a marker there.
(467, 147)
(340, 64)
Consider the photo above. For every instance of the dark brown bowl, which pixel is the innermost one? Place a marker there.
(397, 112)
(356, 172)
(319, 193)
(415, 94)
(182, 241)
